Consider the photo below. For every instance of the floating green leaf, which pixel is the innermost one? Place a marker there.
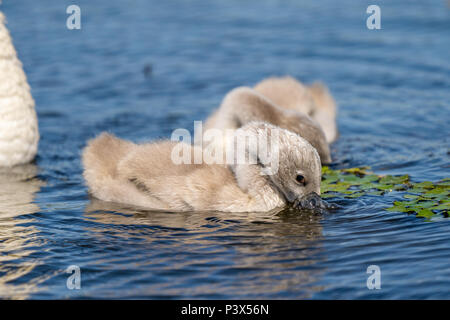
(425, 199)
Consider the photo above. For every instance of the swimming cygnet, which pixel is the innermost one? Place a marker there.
(243, 105)
(19, 133)
(145, 175)
(315, 100)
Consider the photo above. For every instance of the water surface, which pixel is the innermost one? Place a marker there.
(392, 86)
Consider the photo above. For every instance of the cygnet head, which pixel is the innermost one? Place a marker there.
(290, 165)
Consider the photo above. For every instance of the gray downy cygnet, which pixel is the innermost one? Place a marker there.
(145, 175)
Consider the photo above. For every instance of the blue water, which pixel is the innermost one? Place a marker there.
(392, 86)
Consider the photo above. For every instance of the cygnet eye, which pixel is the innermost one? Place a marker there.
(300, 179)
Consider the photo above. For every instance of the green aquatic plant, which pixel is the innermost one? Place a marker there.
(425, 199)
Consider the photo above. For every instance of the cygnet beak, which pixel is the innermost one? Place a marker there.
(311, 201)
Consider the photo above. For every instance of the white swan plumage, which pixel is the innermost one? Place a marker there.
(19, 134)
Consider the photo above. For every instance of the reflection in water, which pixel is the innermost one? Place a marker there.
(209, 254)
(18, 186)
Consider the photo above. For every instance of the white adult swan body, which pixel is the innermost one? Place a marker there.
(19, 134)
